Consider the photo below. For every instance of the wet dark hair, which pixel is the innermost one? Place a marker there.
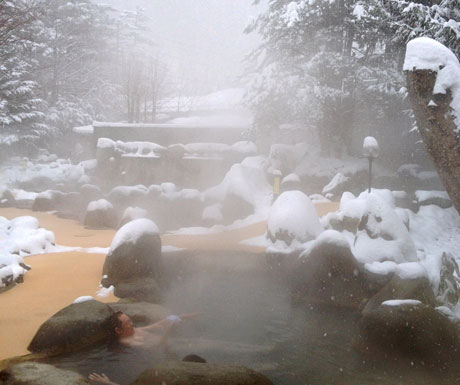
(112, 323)
(194, 358)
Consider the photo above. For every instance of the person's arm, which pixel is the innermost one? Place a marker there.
(166, 322)
(101, 378)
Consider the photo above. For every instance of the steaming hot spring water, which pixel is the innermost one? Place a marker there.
(248, 319)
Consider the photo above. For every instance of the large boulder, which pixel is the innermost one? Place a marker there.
(34, 373)
(192, 373)
(292, 221)
(132, 213)
(327, 273)
(101, 214)
(125, 196)
(135, 253)
(374, 229)
(438, 198)
(418, 288)
(408, 328)
(48, 200)
(293, 217)
(75, 327)
(139, 289)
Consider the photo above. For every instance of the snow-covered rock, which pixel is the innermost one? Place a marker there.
(19, 238)
(337, 183)
(132, 213)
(438, 198)
(292, 221)
(327, 273)
(373, 228)
(212, 214)
(135, 253)
(100, 213)
(243, 191)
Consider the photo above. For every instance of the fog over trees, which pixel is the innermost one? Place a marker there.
(330, 68)
(334, 68)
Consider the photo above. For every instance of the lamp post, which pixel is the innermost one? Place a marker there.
(276, 184)
(371, 151)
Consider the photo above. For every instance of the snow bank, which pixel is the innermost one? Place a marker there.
(22, 171)
(21, 237)
(424, 53)
(132, 231)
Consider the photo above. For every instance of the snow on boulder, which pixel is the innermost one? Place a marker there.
(83, 298)
(438, 198)
(244, 190)
(291, 182)
(48, 200)
(21, 237)
(124, 196)
(373, 228)
(285, 157)
(292, 220)
(337, 183)
(100, 213)
(168, 188)
(135, 253)
(326, 272)
(212, 214)
(132, 213)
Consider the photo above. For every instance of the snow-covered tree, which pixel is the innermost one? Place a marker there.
(74, 63)
(21, 111)
(142, 74)
(337, 65)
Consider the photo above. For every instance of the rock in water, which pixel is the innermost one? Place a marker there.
(33, 373)
(76, 326)
(192, 373)
(410, 329)
(135, 252)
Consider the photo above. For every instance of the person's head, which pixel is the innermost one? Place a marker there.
(121, 324)
(194, 358)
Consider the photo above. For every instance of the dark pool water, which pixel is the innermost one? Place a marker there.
(248, 319)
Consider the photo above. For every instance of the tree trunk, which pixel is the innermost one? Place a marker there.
(437, 128)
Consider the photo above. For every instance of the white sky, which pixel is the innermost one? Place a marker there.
(203, 38)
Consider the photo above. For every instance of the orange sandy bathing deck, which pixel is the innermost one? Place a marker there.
(57, 279)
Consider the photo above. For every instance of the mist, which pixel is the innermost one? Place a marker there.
(203, 41)
(265, 165)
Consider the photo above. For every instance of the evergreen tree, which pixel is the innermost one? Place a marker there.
(21, 111)
(336, 66)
